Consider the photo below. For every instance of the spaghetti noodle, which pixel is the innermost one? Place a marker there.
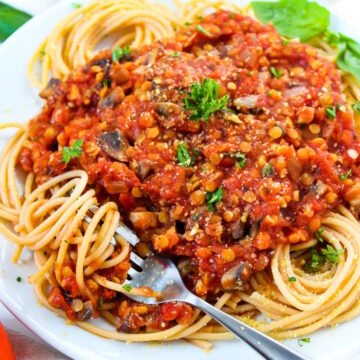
(82, 265)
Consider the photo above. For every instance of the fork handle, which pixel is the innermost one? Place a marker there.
(263, 344)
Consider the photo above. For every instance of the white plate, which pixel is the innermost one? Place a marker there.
(19, 102)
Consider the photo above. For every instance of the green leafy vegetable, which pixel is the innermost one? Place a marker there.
(196, 216)
(127, 287)
(331, 254)
(100, 302)
(176, 54)
(237, 156)
(356, 107)
(316, 260)
(345, 176)
(19, 279)
(266, 170)
(202, 30)
(120, 53)
(213, 198)
(203, 99)
(276, 73)
(318, 234)
(331, 112)
(292, 279)
(301, 342)
(73, 151)
(301, 19)
(183, 156)
(188, 23)
(10, 20)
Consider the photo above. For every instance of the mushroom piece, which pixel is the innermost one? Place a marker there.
(49, 89)
(114, 98)
(114, 144)
(168, 109)
(237, 277)
(246, 102)
(86, 313)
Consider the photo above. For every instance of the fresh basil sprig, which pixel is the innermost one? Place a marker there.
(10, 20)
(301, 19)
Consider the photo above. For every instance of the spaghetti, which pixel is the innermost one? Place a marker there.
(82, 265)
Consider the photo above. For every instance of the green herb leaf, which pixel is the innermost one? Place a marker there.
(202, 30)
(100, 302)
(284, 42)
(76, 5)
(331, 112)
(331, 254)
(188, 23)
(203, 99)
(19, 279)
(237, 156)
(276, 73)
(200, 18)
(231, 15)
(313, 264)
(196, 216)
(120, 53)
(42, 52)
(292, 279)
(213, 198)
(249, 73)
(345, 176)
(356, 107)
(127, 287)
(175, 54)
(106, 82)
(301, 19)
(301, 342)
(73, 151)
(318, 234)
(266, 170)
(10, 20)
(183, 156)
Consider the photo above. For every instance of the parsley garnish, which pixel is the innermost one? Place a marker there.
(318, 234)
(106, 82)
(356, 107)
(213, 198)
(276, 73)
(315, 261)
(200, 18)
(188, 23)
(119, 53)
(231, 15)
(332, 254)
(345, 176)
(302, 341)
(175, 54)
(266, 170)
(196, 216)
(237, 156)
(183, 156)
(284, 42)
(127, 287)
(292, 279)
(203, 99)
(18, 279)
(249, 73)
(100, 301)
(72, 152)
(202, 30)
(331, 112)
(76, 5)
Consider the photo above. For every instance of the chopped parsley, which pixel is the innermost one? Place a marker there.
(213, 198)
(119, 53)
(42, 52)
(318, 234)
(100, 302)
(284, 42)
(203, 99)
(127, 287)
(345, 176)
(292, 279)
(237, 156)
(175, 54)
(76, 5)
(276, 73)
(249, 73)
(266, 170)
(106, 82)
(200, 18)
(231, 15)
(72, 152)
(302, 341)
(331, 112)
(202, 30)
(188, 23)
(356, 107)
(331, 254)
(196, 216)
(183, 156)
(19, 279)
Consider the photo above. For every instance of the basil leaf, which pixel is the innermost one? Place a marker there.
(301, 19)
(10, 20)
(348, 58)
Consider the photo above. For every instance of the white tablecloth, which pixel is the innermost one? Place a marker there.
(345, 8)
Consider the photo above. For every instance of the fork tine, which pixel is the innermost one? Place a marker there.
(136, 259)
(132, 272)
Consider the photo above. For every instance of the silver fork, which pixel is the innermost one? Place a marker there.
(161, 275)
